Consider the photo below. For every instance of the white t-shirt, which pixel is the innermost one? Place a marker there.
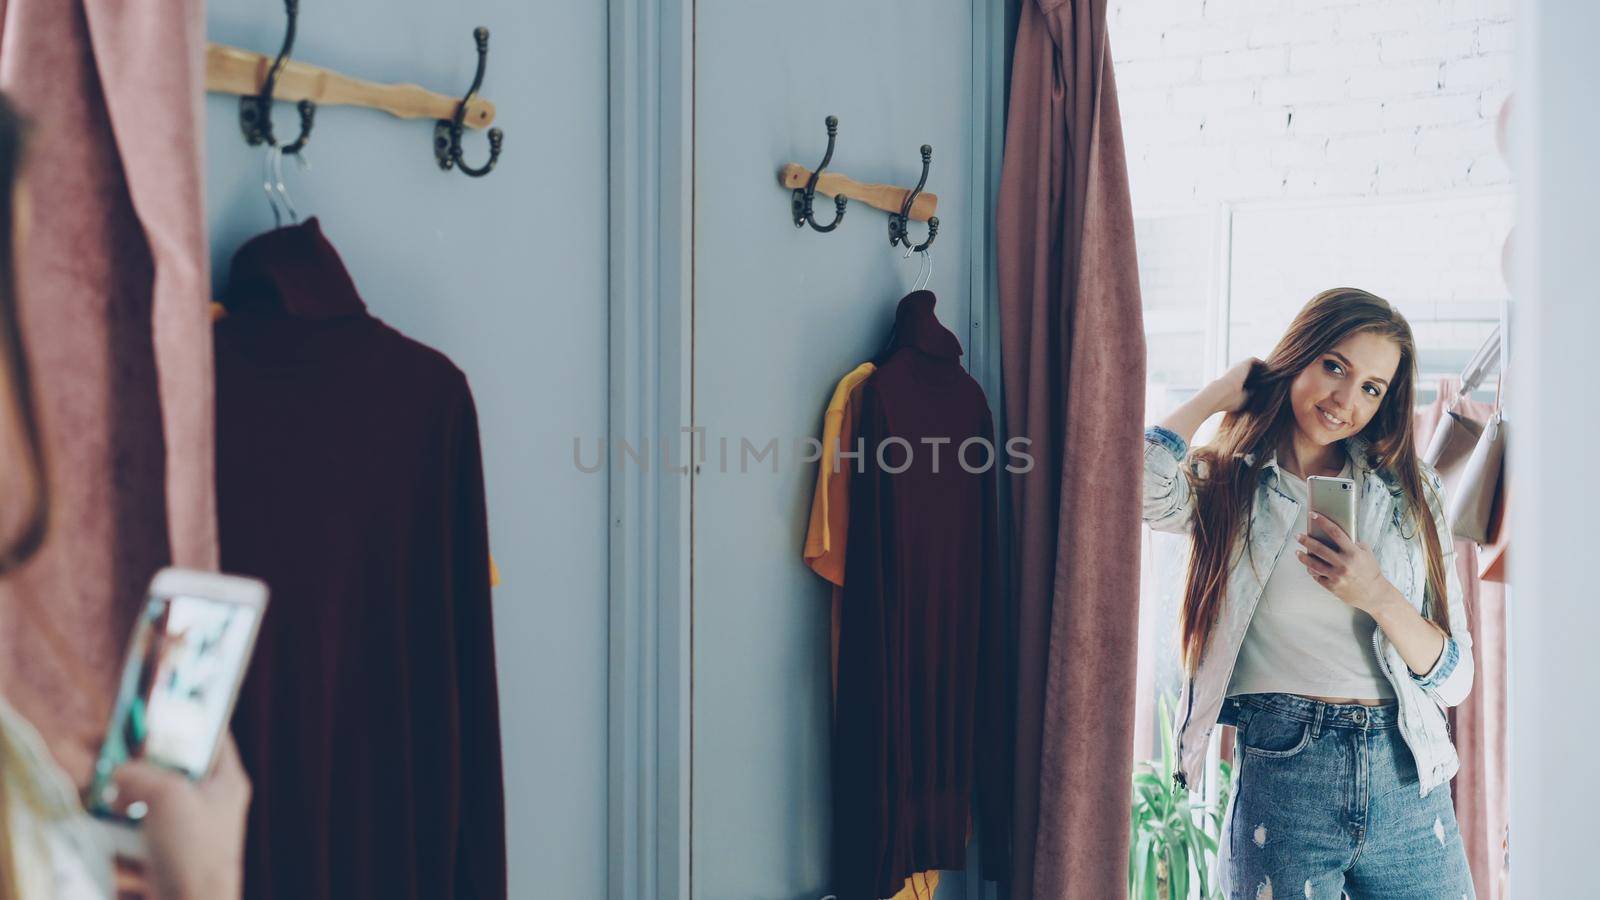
(1302, 639)
(59, 853)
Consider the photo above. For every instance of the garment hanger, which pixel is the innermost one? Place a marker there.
(277, 190)
(924, 278)
(1489, 358)
(277, 197)
(925, 268)
(923, 251)
(280, 186)
(267, 187)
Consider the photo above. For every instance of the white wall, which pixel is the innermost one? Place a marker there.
(1267, 99)
(1278, 148)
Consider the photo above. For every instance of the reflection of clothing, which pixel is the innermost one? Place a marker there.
(827, 532)
(55, 850)
(920, 719)
(1328, 801)
(350, 480)
(1386, 525)
(1303, 639)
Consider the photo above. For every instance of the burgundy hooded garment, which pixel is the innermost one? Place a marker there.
(921, 713)
(349, 479)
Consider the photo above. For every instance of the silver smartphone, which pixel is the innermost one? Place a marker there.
(1334, 498)
(186, 660)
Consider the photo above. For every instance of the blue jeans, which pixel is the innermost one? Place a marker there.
(1327, 800)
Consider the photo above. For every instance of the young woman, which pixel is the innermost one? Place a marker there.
(1335, 659)
(48, 849)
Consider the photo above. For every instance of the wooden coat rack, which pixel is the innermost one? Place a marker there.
(259, 80)
(887, 197)
(230, 70)
(902, 204)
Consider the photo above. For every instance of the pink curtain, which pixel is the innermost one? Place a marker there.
(114, 295)
(1479, 724)
(1073, 357)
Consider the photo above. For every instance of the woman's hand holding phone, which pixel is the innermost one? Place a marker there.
(194, 831)
(168, 779)
(1348, 569)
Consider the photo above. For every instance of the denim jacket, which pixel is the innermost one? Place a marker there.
(1382, 523)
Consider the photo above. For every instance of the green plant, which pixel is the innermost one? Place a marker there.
(1171, 834)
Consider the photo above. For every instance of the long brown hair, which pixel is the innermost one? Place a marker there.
(17, 548)
(1224, 482)
(18, 395)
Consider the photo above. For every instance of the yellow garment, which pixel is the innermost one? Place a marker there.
(828, 529)
(919, 886)
(830, 503)
(494, 572)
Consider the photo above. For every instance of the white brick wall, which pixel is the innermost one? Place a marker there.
(1241, 100)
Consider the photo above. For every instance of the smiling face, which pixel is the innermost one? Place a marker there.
(1338, 394)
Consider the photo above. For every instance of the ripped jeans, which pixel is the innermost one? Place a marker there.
(1326, 799)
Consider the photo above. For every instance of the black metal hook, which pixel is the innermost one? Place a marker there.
(255, 112)
(900, 223)
(447, 132)
(803, 197)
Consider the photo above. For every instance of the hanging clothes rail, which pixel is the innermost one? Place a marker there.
(1489, 359)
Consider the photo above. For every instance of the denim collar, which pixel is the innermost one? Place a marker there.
(1358, 448)
(1360, 454)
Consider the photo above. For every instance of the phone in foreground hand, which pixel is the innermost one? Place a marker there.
(1334, 499)
(186, 660)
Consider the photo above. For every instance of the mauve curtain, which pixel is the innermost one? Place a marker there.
(114, 296)
(1073, 358)
(1479, 725)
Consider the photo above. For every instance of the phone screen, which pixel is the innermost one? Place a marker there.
(178, 685)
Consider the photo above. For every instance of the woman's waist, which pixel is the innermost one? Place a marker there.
(1347, 701)
(1360, 714)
